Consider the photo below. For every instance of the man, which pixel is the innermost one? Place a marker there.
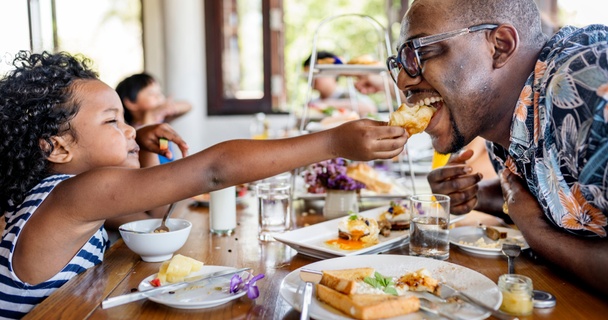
(540, 103)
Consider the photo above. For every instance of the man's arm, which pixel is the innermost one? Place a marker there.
(584, 258)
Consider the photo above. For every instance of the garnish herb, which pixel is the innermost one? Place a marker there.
(381, 282)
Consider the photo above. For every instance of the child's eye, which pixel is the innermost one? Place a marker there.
(112, 121)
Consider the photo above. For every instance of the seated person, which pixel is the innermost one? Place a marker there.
(332, 94)
(144, 103)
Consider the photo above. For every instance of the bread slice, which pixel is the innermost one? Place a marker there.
(369, 176)
(345, 280)
(412, 119)
(368, 306)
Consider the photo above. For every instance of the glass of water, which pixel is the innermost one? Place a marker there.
(429, 227)
(274, 207)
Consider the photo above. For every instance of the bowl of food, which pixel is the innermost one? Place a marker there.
(152, 246)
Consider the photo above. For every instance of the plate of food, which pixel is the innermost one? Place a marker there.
(417, 273)
(330, 239)
(206, 294)
(474, 240)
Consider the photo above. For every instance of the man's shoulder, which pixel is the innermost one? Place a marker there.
(570, 40)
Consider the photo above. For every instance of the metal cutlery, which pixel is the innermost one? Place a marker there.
(130, 297)
(445, 292)
(309, 276)
(511, 251)
(431, 307)
(163, 226)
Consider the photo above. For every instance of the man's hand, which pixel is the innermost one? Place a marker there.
(456, 180)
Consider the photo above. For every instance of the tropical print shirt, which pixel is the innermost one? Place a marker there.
(559, 133)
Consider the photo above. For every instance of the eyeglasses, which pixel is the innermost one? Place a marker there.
(407, 54)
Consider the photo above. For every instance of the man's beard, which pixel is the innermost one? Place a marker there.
(458, 140)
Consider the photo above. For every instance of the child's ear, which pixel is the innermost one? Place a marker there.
(61, 150)
(131, 105)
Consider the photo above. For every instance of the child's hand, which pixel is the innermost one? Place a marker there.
(148, 138)
(367, 139)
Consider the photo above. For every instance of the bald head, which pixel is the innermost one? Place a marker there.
(522, 14)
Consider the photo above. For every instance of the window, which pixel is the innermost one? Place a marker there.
(243, 58)
(107, 31)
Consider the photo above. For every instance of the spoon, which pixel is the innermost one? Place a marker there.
(163, 227)
(511, 251)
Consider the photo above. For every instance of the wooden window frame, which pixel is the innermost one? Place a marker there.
(217, 103)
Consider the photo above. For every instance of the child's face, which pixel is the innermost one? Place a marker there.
(103, 137)
(150, 97)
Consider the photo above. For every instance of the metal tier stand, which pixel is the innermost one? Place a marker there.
(357, 70)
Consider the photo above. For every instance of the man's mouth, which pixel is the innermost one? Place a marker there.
(429, 101)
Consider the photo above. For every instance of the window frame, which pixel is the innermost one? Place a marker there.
(217, 103)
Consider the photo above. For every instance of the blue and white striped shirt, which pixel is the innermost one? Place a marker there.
(17, 298)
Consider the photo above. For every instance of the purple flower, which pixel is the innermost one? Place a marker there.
(237, 283)
(330, 174)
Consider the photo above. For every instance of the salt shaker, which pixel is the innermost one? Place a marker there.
(222, 211)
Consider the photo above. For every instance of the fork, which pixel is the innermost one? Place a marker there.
(445, 292)
(511, 251)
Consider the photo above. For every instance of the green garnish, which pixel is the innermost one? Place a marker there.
(353, 217)
(329, 110)
(381, 282)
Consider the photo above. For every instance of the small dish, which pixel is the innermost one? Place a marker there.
(207, 294)
(139, 236)
(465, 238)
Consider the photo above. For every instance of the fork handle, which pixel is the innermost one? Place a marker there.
(496, 313)
(511, 264)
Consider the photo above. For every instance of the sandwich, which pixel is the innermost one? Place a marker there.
(363, 293)
(413, 119)
(364, 59)
(367, 175)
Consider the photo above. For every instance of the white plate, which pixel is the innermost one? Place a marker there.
(461, 278)
(310, 240)
(202, 295)
(472, 234)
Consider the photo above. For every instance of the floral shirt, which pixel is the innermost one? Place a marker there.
(559, 133)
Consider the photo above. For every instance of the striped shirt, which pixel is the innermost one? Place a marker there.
(17, 298)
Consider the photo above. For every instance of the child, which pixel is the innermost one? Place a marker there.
(144, 103)
(69, 162)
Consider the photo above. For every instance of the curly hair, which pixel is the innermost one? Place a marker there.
(36, 103)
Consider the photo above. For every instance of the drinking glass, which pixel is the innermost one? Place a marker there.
(274, 207)
(429, 227)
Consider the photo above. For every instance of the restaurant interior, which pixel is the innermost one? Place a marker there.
(239, 65)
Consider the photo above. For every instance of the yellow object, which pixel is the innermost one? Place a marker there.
(516, 294)
(439, 160)
(178, 268)
(163, 143)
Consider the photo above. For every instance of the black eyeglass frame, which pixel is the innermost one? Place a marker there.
(395, 63)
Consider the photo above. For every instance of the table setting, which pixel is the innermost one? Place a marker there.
(278, 261)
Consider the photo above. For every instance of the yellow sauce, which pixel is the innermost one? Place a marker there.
(344, 244)
(516, 302)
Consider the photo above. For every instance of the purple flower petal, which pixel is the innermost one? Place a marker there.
(235, 283)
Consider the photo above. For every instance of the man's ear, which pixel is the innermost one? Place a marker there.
(61, 150)
(505, 41)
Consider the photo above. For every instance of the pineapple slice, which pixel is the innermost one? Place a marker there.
(178, 268)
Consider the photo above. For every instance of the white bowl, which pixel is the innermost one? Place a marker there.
(154, 247)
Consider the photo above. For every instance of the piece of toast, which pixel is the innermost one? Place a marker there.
(345, 280)
(412, 119)
(368, 306)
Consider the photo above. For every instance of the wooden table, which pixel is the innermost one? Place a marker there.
(123, 270)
